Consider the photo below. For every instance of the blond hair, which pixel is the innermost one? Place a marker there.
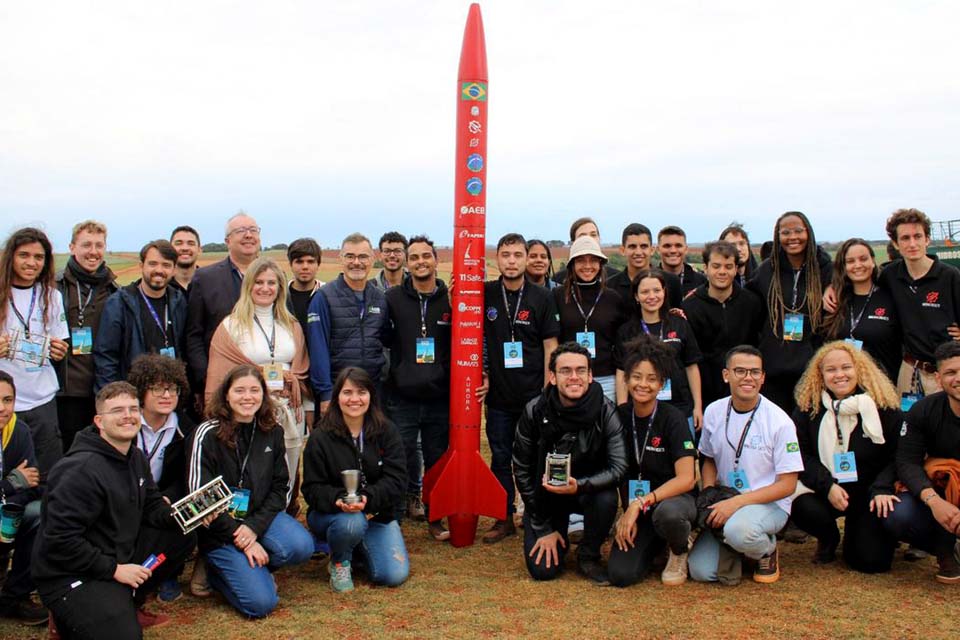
(241, 318)
(90, 226)
(869, 378)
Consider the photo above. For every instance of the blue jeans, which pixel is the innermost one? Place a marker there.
(251, 590)
(913, 522)
(751, 531)
(501, 427)
(428, 419)
(381, 544)
(609, 386)
(19, 584)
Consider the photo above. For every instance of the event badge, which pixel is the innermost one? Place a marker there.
(907, 400)
(426, 351)
(793, 327)
(666, 391)
(239, 503)
(273, 375)
(81, 341)
(845, 467)
(638, 489)
(588, 340)
(168, 352)
(856, 344)
(738, 480)
(513, 355)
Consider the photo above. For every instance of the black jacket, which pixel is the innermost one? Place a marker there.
(930, 428)
(96, 500)
(382, 464)
(173, 478)
(265, 475)
(17, 449)
(429, 381)
(213, 292)
(76, 372)
(599, 459)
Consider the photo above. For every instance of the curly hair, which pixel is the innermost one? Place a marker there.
(813, 294)
(869, 378)
(152, 368)
(907, 216)
(645, 348)
(219, 406)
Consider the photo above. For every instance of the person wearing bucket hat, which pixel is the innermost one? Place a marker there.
(20, 514)
(590, 312)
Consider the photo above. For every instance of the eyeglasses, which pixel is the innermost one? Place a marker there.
(353, 257)
(567, 372)
(245, 230)
(742, 372)
(163, 389)
(392, 252)
(123, 411)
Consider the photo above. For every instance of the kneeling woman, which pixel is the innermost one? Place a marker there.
(662, 508)
(243, 443)
(355, 435)
(848, 419)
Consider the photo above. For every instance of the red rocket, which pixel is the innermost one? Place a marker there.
(461, 486)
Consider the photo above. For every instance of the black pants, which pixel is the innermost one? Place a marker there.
(74, 413)
(867, 546)
(599, 510)
(669, 523)
(46, 436)
(779, 389)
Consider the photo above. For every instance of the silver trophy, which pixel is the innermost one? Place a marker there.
(210, 499)
(351, 482)
(558, 469)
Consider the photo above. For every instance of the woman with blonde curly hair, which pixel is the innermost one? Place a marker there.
(848, 419)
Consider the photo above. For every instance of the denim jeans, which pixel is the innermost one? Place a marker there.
(913, 522)
(751, 531)
(19, 584)
(252, 590)
(609, 386)
(668, 524)
(427, 419)
(501, 427)
(381, 544)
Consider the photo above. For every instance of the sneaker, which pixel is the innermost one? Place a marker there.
(575, 529)
(199, 585)
(794, 534)
(949, 567)
(25, 610)
(593, 571)
(825, 553)
(415, 510)
(675, 573)
(912, 554)
(169, 591)
(438, 531)
(341, 579)
(147, 619)
(768, 568)
(500, 530)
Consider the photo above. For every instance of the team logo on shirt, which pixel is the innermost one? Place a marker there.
(903, 430)
(655, 441)
(491, 313)
(793, 447)
(445, 318)
(932, 300)
(523, 315)
(672, 334)
(687, 444)
(879, 313)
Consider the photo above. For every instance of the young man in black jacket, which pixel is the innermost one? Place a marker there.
(87, 561)
(636, 245)
(572, 417)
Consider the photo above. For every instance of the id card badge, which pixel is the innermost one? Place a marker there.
(907, 400)
(81, 341)
(426, 351)
(239, 503)
(168, 352)
(845, 467)
(588, 340)
(793, 327)
(513, 355)
(857, 344)
(738, 480)
(273, 375)
(666, 391)
(638, 489)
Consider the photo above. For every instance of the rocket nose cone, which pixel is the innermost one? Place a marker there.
(473, 53)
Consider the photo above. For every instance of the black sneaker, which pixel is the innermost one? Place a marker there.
(594, 571)
(794, 534)
(826, 553)
(25, 610)
(949, 569)
(768, 568)
(912, 554)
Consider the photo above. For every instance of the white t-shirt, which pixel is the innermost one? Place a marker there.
(771, 446)
(36, 385)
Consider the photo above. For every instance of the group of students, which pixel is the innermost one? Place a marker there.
(648, 380)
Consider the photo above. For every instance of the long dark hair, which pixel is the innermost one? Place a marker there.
(374, 421)
(533, 242)
(45, 278)
(219, 406)
(843, 287)
(656, 274)
(569, 285)
(813, 294)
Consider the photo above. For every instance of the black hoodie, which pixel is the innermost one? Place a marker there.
(96, 500)
(413, 381)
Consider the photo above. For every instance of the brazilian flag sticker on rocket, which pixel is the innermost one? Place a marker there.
(473, 91)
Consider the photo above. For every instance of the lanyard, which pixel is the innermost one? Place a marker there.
(243, 465)
(855, 322)
(586, 317)
(646, 328)
(33, 304)
(271, 339)
(156, 445)
(358, 445)
(836, 420)
(796, 283)
(156, 318)
(639, 451)
(423, 315)
(82, 304)
(743, 436)
(506, 305)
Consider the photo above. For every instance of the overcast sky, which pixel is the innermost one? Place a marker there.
(321, 118)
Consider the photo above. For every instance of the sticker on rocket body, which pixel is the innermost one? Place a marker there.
(474, 186)
(475, 162)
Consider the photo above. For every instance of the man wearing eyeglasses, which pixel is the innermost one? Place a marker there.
(393, 257)
(346, 322)
(571, 417)
(749, 446)
(213, 292)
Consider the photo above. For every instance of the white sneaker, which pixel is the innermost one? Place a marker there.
(675, 573)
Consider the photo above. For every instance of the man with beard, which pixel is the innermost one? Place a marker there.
(186, 241)
(636, 245)
(393, 257)
(672, 247)
(146, 316)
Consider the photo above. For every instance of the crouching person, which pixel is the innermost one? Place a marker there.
(748, 444)
(570, 418)
(354, 435)
(660, 476)
(243, 443)
(88, 557)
